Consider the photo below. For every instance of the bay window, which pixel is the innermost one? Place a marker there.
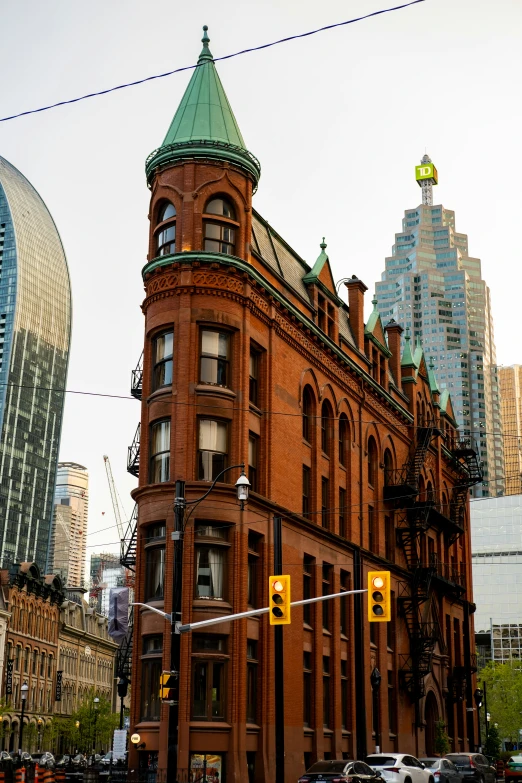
(162, 346)
(208, 677)
(214, 357)
(213, 448)
(160, 451)
(211, 549)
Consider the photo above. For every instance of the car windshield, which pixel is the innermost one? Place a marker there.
(515, 760)
(381, 761)
(431, 763)
(328, 766)
(459, 759)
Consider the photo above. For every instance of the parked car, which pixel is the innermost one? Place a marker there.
(513, 768)
(338, 771)
(108, 758)
(45, 760)
(79, 761)
(5, 758)
(64, 761)
(443, 770)
(400, 768)
(473, 766)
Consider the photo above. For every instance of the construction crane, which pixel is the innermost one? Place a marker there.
(114, 497)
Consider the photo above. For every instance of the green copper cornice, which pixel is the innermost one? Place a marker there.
(204, 125)
(204, 257)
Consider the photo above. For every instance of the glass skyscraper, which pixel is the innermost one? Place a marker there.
(435, 288)
(70, 519)
(35, 329)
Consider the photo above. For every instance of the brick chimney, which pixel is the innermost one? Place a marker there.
(356, 289)
(393, 332)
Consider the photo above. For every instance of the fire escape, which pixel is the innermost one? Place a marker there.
(417, 601)
(133, 456)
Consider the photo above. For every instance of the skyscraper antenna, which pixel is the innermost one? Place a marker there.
(426, 175)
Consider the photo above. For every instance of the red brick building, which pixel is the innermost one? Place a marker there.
(251, 356)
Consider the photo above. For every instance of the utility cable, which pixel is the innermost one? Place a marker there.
(215, 59)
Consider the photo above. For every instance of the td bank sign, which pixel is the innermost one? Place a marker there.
(426, 171)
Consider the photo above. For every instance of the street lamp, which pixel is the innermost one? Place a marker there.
(242, 487)
(40, 724)
(23, 693)
(375, 680)
(96, 705)
(478, 701)
(77, 724)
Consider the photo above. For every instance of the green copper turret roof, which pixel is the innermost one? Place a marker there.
(407, 358)
(204, 125)
(419, 353)
(434, 386)
(322, 258)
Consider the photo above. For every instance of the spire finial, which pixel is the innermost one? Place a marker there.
(375, 301)
(323, 245)
(407, 335)
(205, 52)
(432, 363)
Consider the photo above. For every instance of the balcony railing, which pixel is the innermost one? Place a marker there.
(133, 458)
(452, 576)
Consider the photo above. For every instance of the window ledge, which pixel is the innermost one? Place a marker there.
(308, 731)
(326, 632)
(327, 732)
(253, 727)
(210, 725)
(254, 409)
(307, 627)
(210, 388)
(161, 392)
(146, 723)
(212, 604)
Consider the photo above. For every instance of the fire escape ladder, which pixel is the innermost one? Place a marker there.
(416, 606)
(137, 379)
(133, 457)
(129, 541)
(421, 444)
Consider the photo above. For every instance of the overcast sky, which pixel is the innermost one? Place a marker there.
(338, 121)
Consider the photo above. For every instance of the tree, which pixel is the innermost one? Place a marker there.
(442, 741)
(504, 688)
(493, 744)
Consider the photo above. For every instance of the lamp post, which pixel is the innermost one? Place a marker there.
(23, 693)
(95, 704)
(77, 724)
(375, 680)
(478, 701)
(180, 504)
(40, 724)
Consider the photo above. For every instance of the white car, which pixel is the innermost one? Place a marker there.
(399, 768)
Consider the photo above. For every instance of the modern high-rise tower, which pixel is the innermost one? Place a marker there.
(510, 381)
(70, 518)
(434, 288)
(35, 328)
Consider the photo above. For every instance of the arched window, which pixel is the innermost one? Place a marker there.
(165, 236)
(308, 412)
(388, 466)
(326, 426)
(372, 462)
(220, 235)
(430, 492)
(344, 433)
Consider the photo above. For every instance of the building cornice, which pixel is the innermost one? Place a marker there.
(193, 258)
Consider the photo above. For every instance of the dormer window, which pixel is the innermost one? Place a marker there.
(165, 234)
(220, 233)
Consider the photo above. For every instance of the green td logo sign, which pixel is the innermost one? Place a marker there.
(426, 171)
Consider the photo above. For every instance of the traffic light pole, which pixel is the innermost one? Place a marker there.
(279, 680)
(175, 618)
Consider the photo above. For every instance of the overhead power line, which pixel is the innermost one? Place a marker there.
(216, 59)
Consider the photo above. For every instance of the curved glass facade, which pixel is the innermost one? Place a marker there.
(35, 331)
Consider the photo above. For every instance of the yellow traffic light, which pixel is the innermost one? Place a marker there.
(279, 599)
(379, 597)
(168, 686)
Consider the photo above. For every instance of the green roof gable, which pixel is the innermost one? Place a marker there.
(434, 386)
(407, 357)
(204, 124)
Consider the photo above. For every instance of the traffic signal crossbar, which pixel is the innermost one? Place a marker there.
(252, 612)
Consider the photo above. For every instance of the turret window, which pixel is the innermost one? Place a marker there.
(220, 237)
(165, 238)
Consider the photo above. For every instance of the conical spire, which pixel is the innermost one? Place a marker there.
(204, 124)
(407, 358)
(434, 386)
